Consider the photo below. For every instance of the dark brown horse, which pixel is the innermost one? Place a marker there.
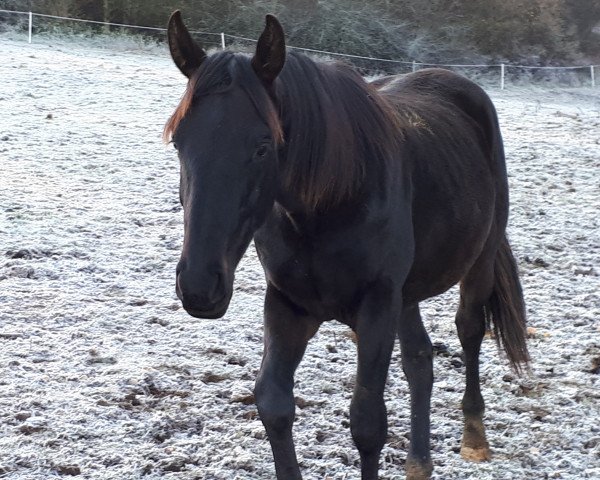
(363, 200)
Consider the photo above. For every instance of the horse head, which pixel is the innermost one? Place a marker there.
(227, 133)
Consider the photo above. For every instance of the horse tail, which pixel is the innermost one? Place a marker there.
(505, 309)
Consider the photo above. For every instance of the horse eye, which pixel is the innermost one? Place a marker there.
(261, 151)
(175, 146)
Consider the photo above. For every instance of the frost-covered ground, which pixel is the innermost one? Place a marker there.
(102, 375)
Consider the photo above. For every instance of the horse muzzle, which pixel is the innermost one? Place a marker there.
(203, 295)
(215, 311)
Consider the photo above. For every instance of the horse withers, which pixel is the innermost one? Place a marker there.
(363, 199)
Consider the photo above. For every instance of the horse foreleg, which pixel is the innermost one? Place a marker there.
(286, 335)
(368, 415)
(418, 368)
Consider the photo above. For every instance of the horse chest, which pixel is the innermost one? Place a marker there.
(325, 278)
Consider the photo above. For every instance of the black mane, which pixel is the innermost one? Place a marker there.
(335, 124)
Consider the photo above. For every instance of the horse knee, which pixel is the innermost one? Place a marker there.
(276, 407)
(368, 420)
(417, 359)
(418, 352)
(415, 344)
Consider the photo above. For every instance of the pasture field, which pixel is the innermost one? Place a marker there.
(104, 376)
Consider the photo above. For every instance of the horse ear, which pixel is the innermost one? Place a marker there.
(270, 51)
(186, 53)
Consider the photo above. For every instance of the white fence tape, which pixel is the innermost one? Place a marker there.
(415, 65)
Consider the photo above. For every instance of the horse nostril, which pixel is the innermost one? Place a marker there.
(217, 291)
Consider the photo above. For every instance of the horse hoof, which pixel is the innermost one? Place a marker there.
(474, 446)
(418, 471)
(478, 454)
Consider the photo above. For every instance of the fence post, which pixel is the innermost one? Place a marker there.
(592, 74)
(30, 25)
(222, 40)
(501, 76)
(414, 66)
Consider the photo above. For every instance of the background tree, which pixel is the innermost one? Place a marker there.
(535, 31)
(584, 18)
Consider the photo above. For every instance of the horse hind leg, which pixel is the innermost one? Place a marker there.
(490, 290)
(475, 291)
